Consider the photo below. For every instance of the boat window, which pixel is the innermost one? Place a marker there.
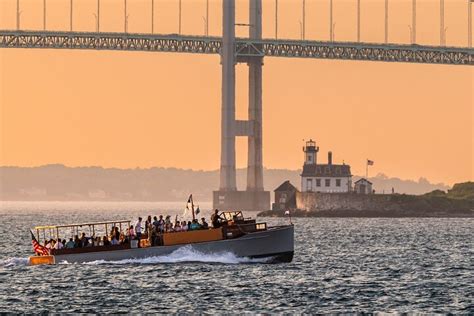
(232, 215)
(261, 226)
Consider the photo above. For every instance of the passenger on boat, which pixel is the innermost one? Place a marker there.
(204, 224)
(95, 241)
(123, 240)
(161, 224)
(138, 228)
(156, 224)
(105, 241)
(147, 223)
(168, 227)
(131, 233)
(150, 232)
(154, 235)
(189, 225)
(168, 220)
(216, 219)
(116, 233)
(77, 242)
(70, 244)
(84, 240)
(114, 241)
(58, 244)
(177, 227)
(195, 225)
(184, 226)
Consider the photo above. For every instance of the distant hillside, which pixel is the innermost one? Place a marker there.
(460, 191)
(58, 182)
(384, 184)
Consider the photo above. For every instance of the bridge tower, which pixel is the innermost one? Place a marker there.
(228, 197)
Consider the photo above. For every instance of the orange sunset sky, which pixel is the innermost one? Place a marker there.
(137, 109)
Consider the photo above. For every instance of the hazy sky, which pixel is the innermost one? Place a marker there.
(134, 109)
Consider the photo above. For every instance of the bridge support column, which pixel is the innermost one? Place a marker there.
(228, 198)
(227, 171)
(255, 150)
(256, 195)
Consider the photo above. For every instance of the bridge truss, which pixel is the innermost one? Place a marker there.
(244, 49)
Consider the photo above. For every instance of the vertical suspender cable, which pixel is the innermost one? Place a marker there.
(413, 34)
(358, 21)
(386, 21)
(44, 15)
(152, 16)
(331, 31)
(276, 19)
(179, 18)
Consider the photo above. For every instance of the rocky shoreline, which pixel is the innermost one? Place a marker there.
(457, 202)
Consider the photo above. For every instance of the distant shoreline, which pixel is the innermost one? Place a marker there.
(98, 201)
(366, 214)
(62, 183)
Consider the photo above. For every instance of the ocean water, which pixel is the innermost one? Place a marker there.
(340, 265)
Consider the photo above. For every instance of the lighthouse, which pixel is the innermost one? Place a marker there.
(324, 177)
(310, 153)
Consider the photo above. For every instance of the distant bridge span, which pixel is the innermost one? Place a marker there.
(244, 47)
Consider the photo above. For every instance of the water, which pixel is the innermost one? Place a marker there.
(340, 265)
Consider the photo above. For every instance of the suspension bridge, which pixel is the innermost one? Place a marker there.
(250, 50)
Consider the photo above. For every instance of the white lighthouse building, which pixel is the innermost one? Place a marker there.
(328, 178)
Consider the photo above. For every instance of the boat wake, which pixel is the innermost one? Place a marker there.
(186, 254)
(15, 261)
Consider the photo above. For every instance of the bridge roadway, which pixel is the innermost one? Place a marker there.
(245, 47)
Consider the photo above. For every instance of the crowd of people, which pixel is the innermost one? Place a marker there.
(151, 229)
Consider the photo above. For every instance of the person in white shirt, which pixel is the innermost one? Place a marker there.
(59, 245)
(184, 226)
(138, 228)
(114, 241)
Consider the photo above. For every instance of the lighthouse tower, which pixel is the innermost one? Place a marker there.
(310, 153)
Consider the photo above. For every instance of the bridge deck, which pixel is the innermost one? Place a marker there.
(245, 48)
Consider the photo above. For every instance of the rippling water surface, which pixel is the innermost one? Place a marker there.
(340, 265)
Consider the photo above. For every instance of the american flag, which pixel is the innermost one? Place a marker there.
(37, 248)
(370, 162)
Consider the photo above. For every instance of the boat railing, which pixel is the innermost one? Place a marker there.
(92, 229)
